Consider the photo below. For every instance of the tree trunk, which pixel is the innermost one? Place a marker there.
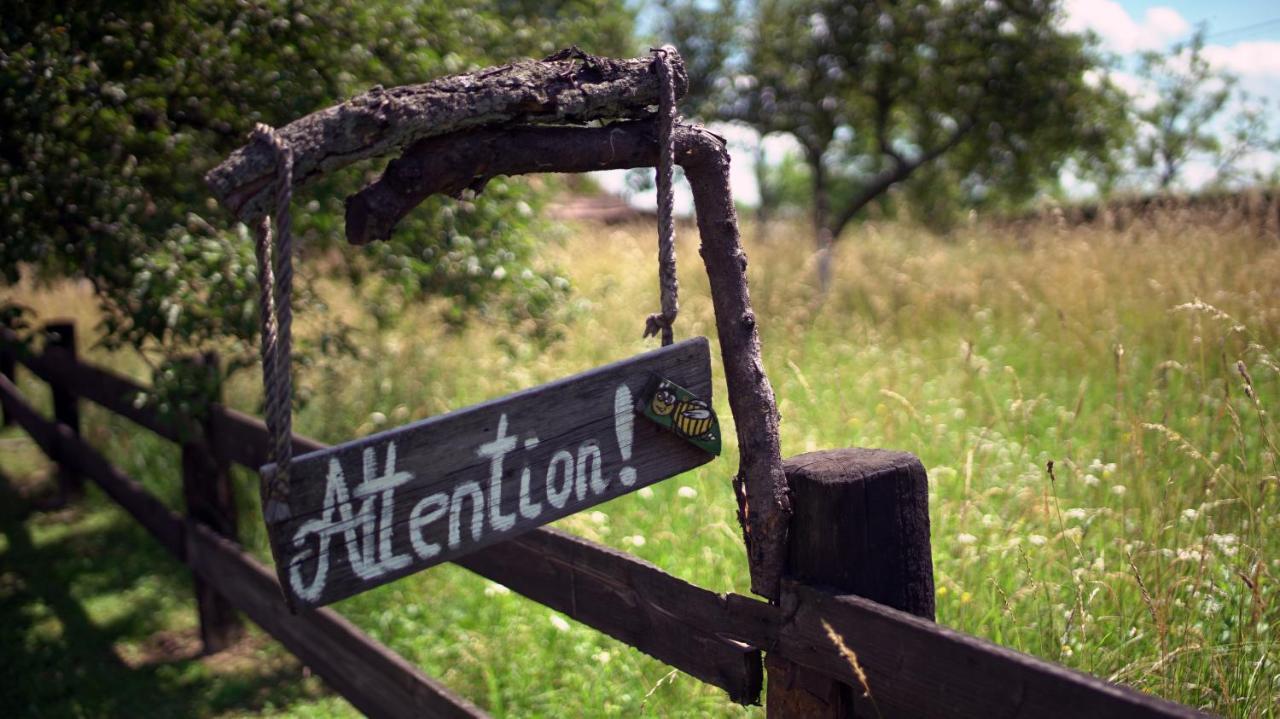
(822, 234)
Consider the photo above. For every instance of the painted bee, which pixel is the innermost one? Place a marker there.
(690, 418)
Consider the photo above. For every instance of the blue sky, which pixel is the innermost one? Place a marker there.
(1243, 38)
(1228, 17)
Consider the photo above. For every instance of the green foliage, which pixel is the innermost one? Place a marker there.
(1182, 124)
(1152, 559)
(111, 112)
(993, 95)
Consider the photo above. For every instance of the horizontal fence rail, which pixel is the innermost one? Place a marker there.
(553, 568)
(374, 679)
(913, 666)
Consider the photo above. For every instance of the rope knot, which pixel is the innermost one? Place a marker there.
(669, 283)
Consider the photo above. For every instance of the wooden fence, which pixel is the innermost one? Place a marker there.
(859, 569)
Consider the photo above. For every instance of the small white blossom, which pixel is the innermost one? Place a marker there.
(1119, 490)
(1037, 539)
(966, 538)
(645, 492)
(559, 622)
(493, 589)
(687, 492)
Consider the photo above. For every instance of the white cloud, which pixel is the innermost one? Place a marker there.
(1257, 64)
(1119, 31)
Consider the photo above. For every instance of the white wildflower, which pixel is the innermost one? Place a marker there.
(645, 492)
(966, 538)
(559, 622)
(687, 492)
(1037, 539)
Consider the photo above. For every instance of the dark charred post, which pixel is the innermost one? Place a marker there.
(860, 525)
(61, 336)
(207, 489)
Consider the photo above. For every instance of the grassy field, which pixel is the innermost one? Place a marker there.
(1142, 363)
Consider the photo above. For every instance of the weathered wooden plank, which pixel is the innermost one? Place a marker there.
(569, 87)
(367, 512)
(62, 445)
(377, 681)
(374, 679)
(111, 390)
(244, 439)
(557, 569)
(626, 598)
(66, 406)
(210, 498)
(917, 668)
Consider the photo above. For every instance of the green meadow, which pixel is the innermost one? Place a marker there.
(1142, 362)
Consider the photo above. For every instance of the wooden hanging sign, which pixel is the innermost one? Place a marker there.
(373, 510)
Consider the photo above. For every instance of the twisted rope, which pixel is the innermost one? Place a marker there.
(667, 279)
(275, 310)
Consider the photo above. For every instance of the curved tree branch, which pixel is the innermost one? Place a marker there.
(900, 170)
(447, 165)
(568, 87)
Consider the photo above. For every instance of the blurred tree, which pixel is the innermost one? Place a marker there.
(1189, 94)
(111, 112)
(993, 94)
(1182, 122)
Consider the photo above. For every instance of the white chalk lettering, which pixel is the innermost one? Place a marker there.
(558, 497)
(425, 512)
(464, 491)
(494, 450)
(624, 428)
(589, 451)
(361, 519)
(356, 527)
(528, 508)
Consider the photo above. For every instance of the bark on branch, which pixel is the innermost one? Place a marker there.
(469, 159)
(568, 87)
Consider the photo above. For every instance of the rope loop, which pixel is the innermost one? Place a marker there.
(669, 283)
(275, 279)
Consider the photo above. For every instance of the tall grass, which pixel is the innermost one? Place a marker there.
(1093, 406)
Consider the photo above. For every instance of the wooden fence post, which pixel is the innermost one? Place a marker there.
(210, 499)
(66, 405)
(860, 525)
